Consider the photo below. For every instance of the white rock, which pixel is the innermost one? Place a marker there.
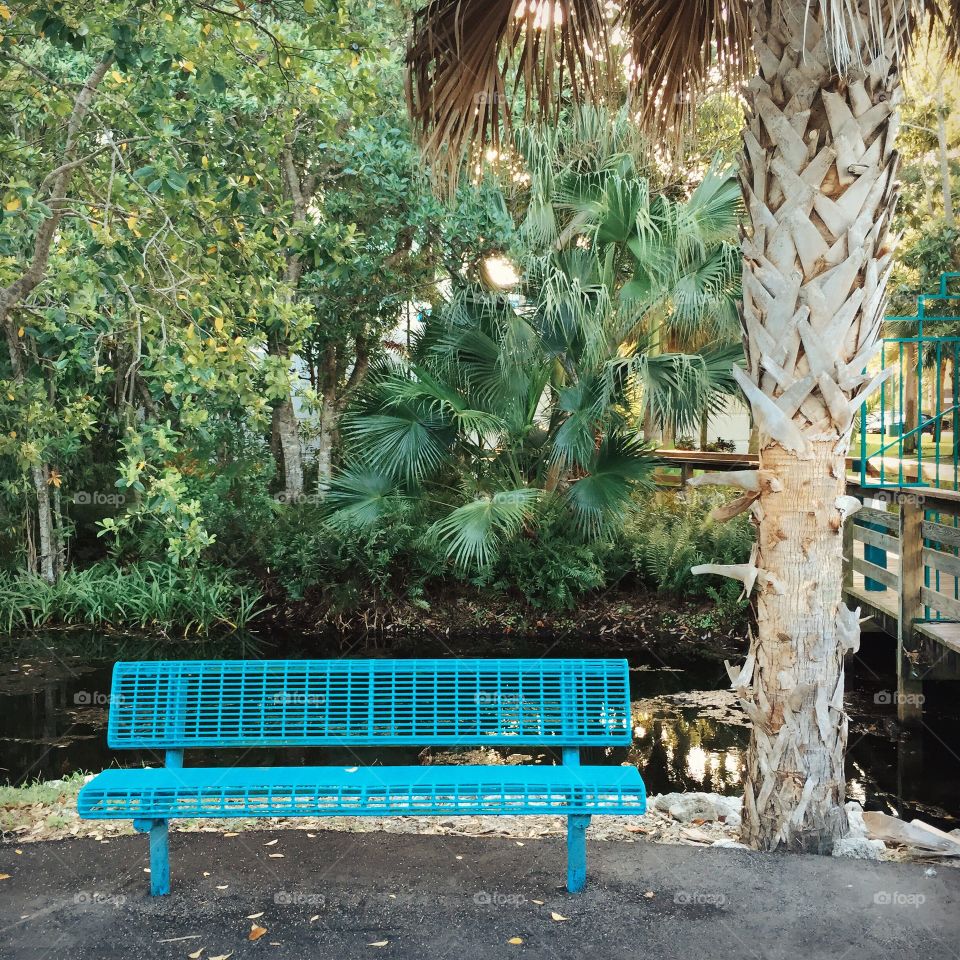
(859, 848)
(730, 844)
(685, 807)
(856, 826)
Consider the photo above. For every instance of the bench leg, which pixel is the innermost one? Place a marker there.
(577, 851)
(159, 855)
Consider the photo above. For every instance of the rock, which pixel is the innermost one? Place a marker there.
(856, 826)
(729, 844)
(685, 807)
(859, 848)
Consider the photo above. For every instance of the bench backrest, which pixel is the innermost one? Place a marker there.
(244, 703)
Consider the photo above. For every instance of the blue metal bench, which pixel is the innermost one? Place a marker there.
(182, 705)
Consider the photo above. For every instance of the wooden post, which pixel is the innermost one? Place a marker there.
(909, 686)
(848, 548)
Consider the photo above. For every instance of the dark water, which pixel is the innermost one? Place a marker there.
(689, 733)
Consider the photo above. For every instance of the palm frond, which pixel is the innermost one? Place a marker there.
(408, 444)
(473, 533)
(359, 497)
(674, 47)
(622, 464)
(676, 387)
(463, 52)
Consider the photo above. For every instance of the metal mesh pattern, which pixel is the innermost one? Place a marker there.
(364, 791)
(182, 704)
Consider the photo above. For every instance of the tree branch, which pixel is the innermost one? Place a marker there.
(60, 182)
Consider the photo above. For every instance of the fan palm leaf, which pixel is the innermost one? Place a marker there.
(473, 532)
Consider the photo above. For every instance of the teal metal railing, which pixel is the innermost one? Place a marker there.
(909, 432)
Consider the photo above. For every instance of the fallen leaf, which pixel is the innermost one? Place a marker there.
(276, 856)
(196, 955)
(459, 858)
(206, 873)
(224, 886)
(378, 943)
(316, 916)
(18, 852)
(271, 843)
(516, 941)
(223, 956)
(539, 903)
(4, 876)
(392, 896)
(519, 844)
(256, 932)
(255, 916)
(231, 834)
(557, 916)
(649, 895)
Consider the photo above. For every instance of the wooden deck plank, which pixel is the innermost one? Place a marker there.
(945, 633)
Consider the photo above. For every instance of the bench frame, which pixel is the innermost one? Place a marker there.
(577, 824)
(158, 829)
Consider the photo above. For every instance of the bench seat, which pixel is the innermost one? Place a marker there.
(163, 793)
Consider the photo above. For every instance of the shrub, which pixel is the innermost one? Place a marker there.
(357, 566)
(550, 569)
(672, 532)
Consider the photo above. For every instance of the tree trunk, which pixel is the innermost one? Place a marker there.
(795, 790)
(819, 177)
(704, 429)
(46, 560)
(286, 432)
(329, 417)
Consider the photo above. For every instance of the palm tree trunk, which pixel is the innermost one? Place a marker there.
(819, 175)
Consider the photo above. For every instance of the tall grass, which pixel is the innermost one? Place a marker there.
(144, 596)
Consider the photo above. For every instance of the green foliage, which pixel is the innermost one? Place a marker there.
(353, 566)
(520, 401)
(551, 570)
(144, 596)
(671, 532)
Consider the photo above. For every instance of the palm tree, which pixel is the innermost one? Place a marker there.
(818, 173)
(521, 404)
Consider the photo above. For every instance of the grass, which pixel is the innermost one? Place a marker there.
(46, 793)
(144, 596)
